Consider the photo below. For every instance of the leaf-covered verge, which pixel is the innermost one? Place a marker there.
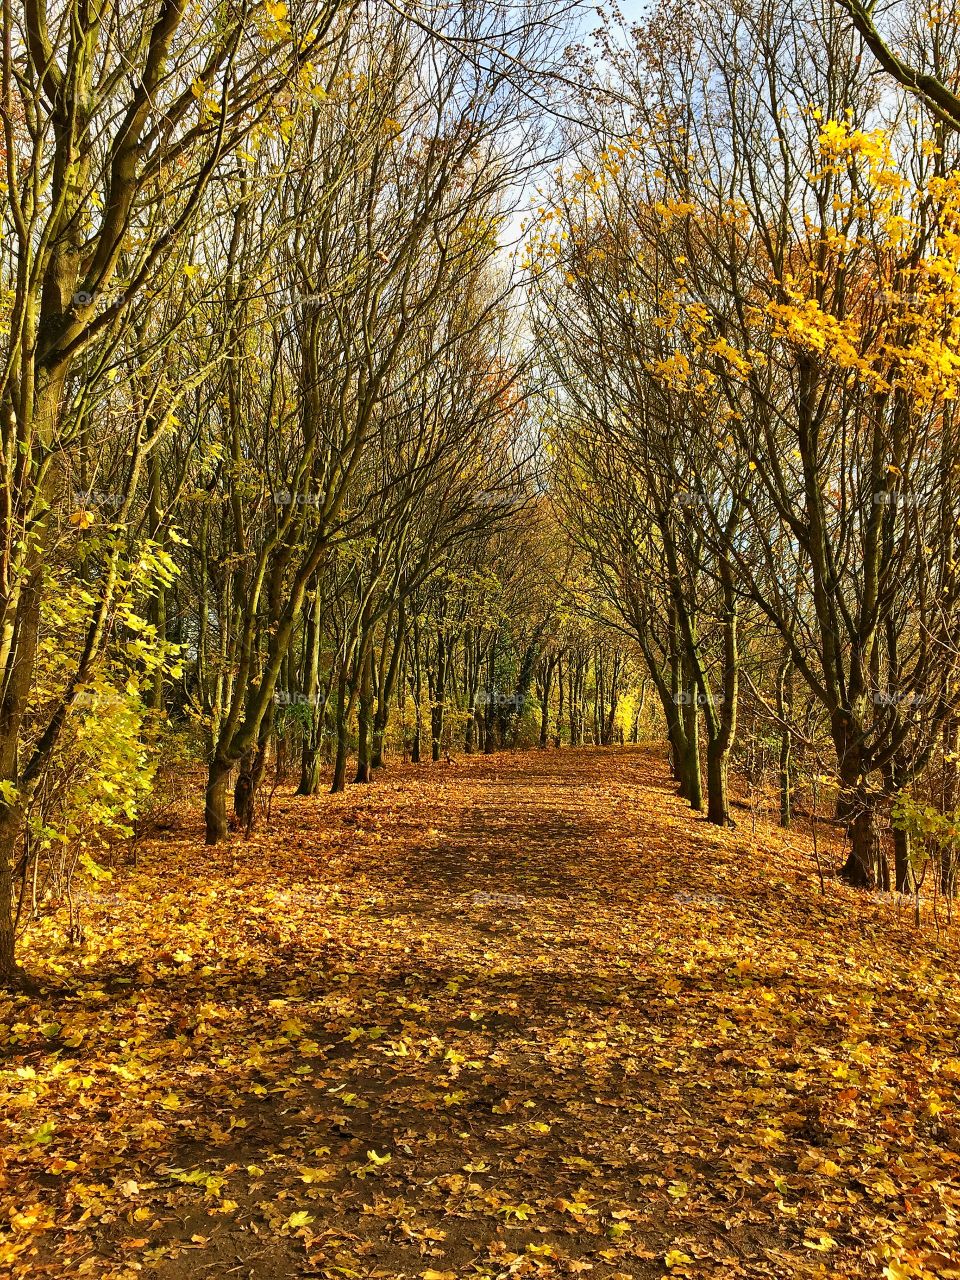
(524, 1015)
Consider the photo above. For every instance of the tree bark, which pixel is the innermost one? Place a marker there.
(546, 690)
(785, 761)
(215, 804)
(718, 808)
(340, 760)
(365, 718)
(691, 787)
(865, 867)
(903, 871)
(10, 827)
(313, 733)
(437, 707)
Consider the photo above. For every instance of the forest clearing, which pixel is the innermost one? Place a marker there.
(523, 1015)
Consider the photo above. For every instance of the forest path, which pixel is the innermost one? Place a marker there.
(523, 1015)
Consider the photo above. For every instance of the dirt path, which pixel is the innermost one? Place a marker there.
(522, 1015)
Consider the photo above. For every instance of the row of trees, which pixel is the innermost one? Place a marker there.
(465, 664)
(260, 382)
(746, 291)
(297, 462)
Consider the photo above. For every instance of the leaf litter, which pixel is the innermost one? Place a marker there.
(524, 1017)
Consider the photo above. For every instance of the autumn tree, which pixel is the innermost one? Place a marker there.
(789, 312)
(115, 120)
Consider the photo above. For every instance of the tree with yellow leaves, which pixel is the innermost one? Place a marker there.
(795, 294)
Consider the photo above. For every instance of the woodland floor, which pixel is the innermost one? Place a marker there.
(519, 1016)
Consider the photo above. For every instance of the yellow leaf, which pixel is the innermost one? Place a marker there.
(823, 1244)
(677, 1258)
(299, 1219)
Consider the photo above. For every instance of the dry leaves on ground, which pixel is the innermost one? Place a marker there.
(521, 1016)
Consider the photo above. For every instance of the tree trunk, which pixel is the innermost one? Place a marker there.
(247, 786)
(865, 867)
(10, 824)
(215, 805)
(380, 721)
(903, 871)
(718, 810)
(489, 710)
(785, 763)
(364, 718)
(558, 733)
(470, 729)
(310, 768)
(417, 748)
(340, 761)
(313, 734)
(243, 792)
(387, 684)
(545, 705)
(20, 662)
(673, 713)
(439, 695)
(692, 785)
(252, 768)
(678, 757)
(784, 781)
(948, 871)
